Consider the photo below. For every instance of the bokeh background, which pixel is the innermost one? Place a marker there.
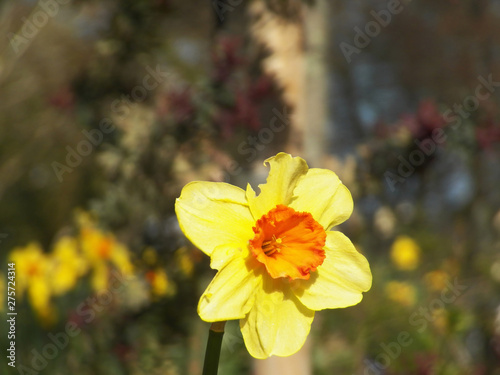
(108, 108)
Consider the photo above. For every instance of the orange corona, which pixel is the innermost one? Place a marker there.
(288, 243)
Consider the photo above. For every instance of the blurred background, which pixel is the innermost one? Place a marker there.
(108, 108)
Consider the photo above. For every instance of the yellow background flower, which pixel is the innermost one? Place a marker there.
(68, 265)
(436, 280)
(161, 285)
(103, 250)
(33, 278)
(401, 292)
(405, 253)
(276, 257)
(184, 261)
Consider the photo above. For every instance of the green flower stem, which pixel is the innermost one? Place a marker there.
(215, 335)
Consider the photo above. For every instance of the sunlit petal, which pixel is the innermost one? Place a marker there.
(284, 174)
(340, 280)
(213, 213)
(322, 194)
(277, 324)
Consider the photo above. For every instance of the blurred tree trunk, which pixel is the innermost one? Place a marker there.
(297, 61)
(315, 87)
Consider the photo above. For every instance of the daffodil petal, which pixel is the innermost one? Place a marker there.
(277, 324)
(285, 172)
(225, 253)
(321, 193)
(214, 213)
(99, 279)
(121, 259)
(340, 280)
(39, 293)
(230, 295)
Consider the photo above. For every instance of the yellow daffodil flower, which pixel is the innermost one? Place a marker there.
(160, 283)
(103, 250)
(32, 277)
(67, 265)
(405, 253)
(277, 260)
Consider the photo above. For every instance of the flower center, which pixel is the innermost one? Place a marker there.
(289, 243)
(273, 245)
(33, 269)
(104, 248)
